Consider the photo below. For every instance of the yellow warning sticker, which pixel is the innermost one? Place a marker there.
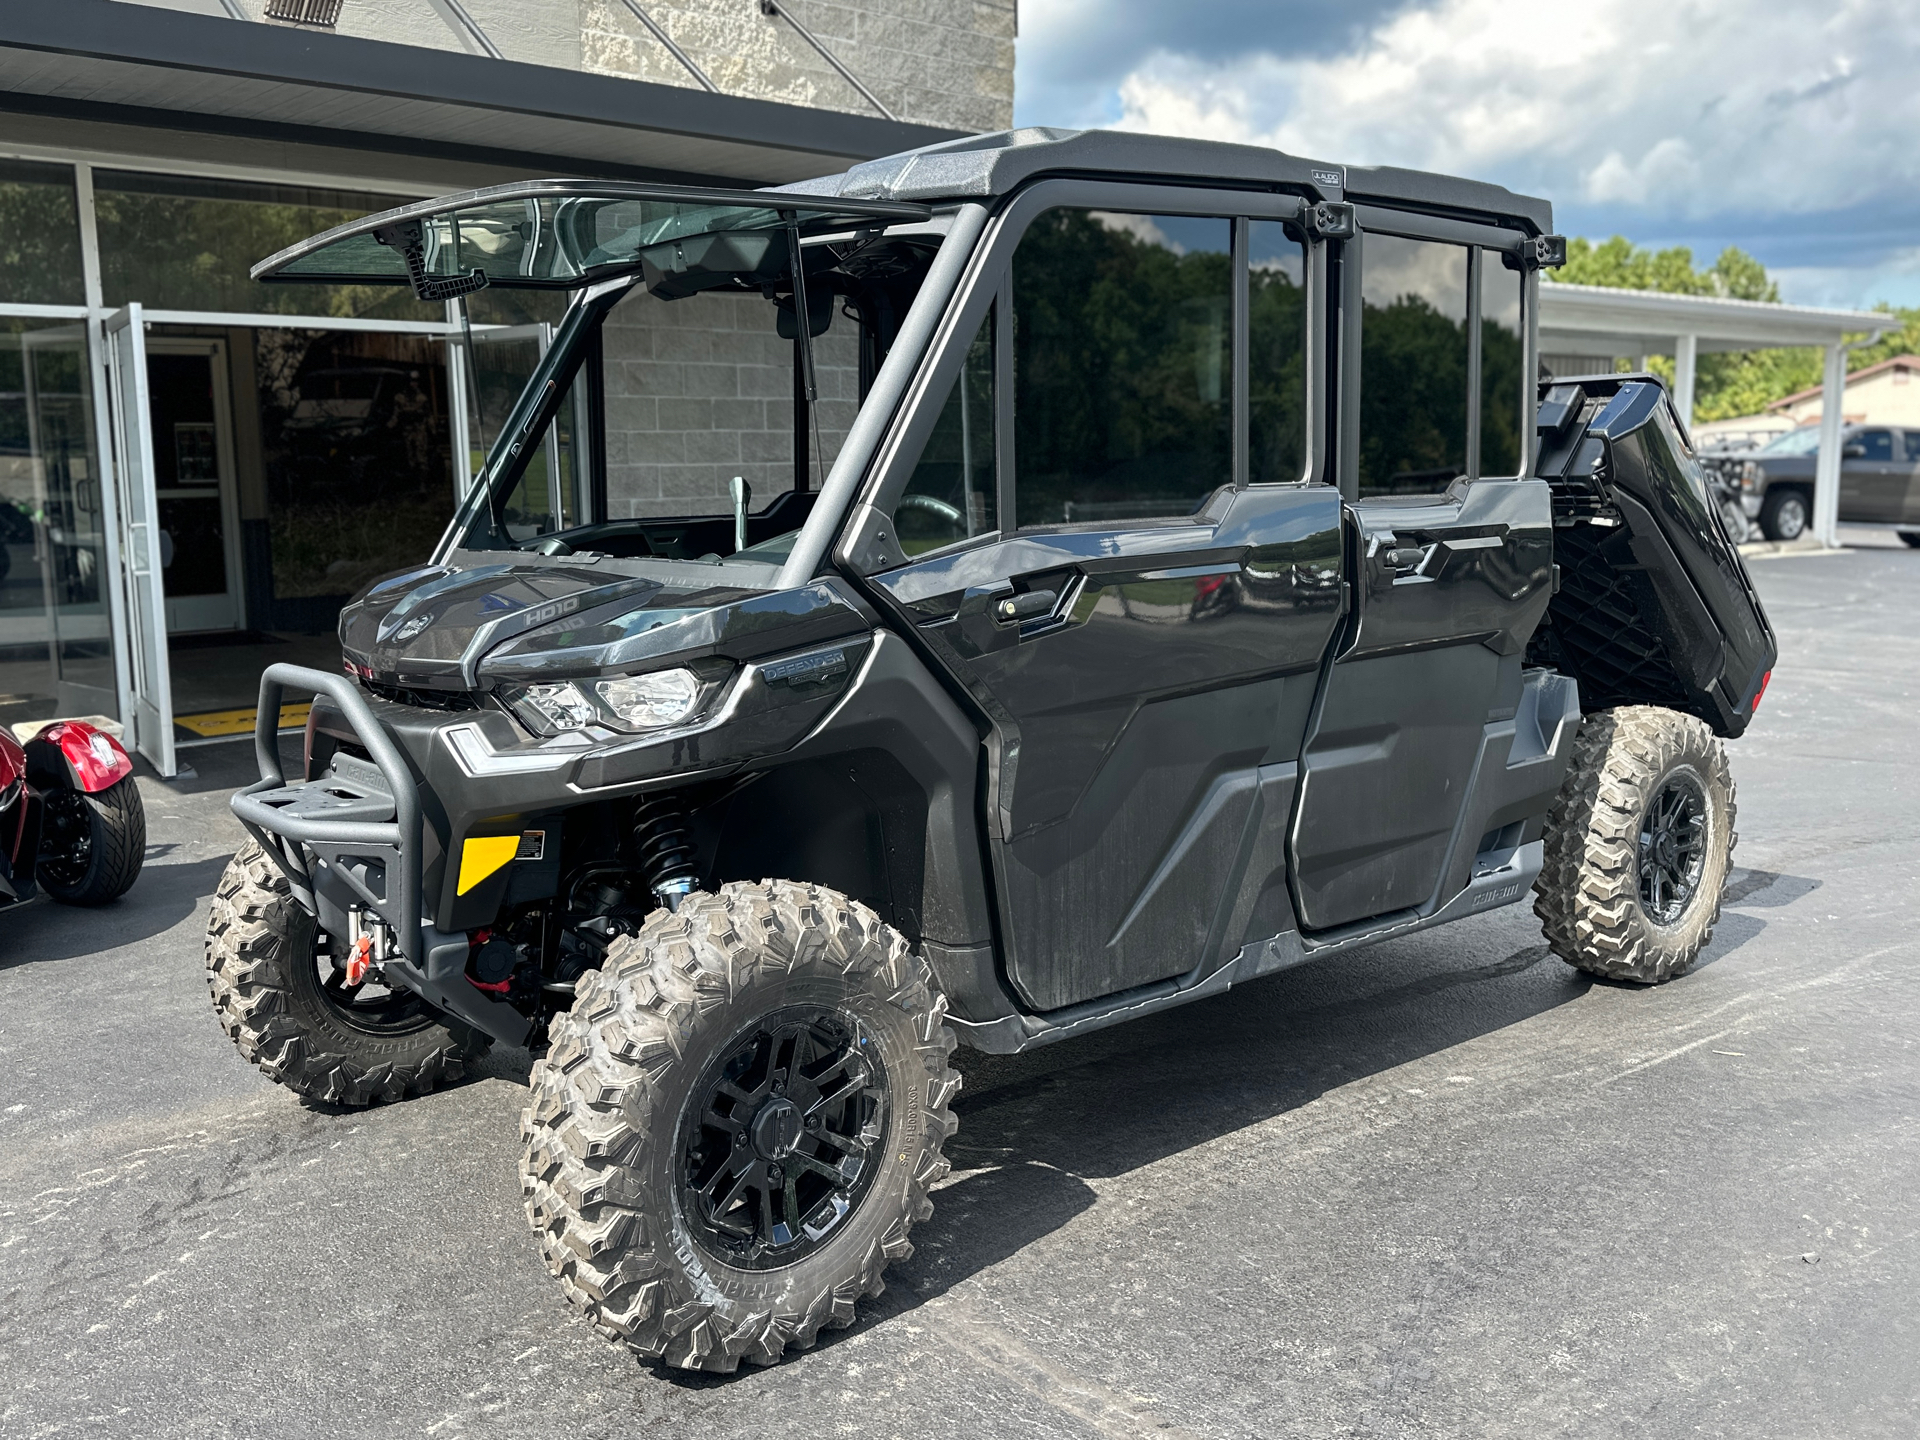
(482, 855)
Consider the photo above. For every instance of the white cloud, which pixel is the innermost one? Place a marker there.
(1688, 108)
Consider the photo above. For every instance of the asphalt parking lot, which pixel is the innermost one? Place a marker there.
(1446, 1187)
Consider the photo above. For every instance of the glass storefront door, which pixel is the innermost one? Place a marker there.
(142, 560)
(56, 651)
(193, 478)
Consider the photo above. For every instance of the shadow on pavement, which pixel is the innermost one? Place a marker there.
(1035, 1128)
(227, 765)
(161, 898)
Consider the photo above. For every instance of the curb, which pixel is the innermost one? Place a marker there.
(1785, 549)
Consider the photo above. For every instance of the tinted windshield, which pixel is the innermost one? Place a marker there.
(691, 390)
(1804, 441)
(553, 233)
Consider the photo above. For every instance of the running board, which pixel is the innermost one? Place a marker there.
(1499, 878)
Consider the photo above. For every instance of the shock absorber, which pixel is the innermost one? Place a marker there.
(664, 841)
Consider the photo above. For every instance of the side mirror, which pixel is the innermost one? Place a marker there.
(1854, 452)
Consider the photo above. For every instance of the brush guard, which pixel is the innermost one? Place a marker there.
(361, 821)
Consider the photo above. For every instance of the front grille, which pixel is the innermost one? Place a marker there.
(422, 699)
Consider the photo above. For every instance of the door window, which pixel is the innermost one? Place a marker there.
(950, 495)
(1276, 353)
(1873, 445)
(1122, 365)
(1502, 367)
(1413, 366)
(1913, 446)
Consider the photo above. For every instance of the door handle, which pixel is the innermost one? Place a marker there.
(1028, 605)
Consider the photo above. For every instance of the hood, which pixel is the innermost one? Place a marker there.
(427, 629)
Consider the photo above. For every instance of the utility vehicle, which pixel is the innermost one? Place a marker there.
(1003, 590)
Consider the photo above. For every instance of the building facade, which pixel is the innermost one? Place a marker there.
(1887, 393)
(293, 441)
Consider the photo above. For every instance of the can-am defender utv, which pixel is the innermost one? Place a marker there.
(1000, 591)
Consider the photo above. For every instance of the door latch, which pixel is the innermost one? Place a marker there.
(1028, 605)
(1404, 557)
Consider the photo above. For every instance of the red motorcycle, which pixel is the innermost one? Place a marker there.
(71, 821)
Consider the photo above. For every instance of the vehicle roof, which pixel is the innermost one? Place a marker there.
(988, 166)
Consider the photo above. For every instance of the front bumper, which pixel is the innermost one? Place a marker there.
(356, 837)
(397, 834)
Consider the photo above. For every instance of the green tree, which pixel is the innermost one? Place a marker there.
(1738, 383)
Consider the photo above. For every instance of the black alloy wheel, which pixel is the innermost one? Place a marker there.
(371, 1007)
(279, 988)
(780, 1140)
(1673, 849)
(66, 837)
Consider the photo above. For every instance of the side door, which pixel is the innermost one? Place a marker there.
(1454, 556)
(1873, 476)
(1132, 576)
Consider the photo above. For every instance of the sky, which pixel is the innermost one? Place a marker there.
(1790, 128)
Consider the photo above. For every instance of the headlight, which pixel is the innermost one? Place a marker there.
(646, 702)
(1750, 473)
(549, 708)
(629, 702)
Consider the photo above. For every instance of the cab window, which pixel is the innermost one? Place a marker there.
(1871, 445)
(1123, 365)
(1276, 353)
(1424, 421)
(950, 495)
(1413, 365)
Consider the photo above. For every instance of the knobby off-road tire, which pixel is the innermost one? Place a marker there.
(1605, 901)
(103, 841)
(620, 1128)
(263, 971)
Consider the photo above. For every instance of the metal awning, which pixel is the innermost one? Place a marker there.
(142, 65)
(1600, 321)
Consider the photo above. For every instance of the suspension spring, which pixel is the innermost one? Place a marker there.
(664, 841)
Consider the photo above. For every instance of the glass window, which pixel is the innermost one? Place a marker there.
(358, 462)
(180, 243)
(1913, 445)
(39, 235)
(1872, 445)
(1501, 365)
(950, 495)
(1413, 365)
(1122, 365)
(56, 654)
(1276, 353)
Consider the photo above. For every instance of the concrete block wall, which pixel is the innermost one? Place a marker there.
(940, 62)
(700, 390)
